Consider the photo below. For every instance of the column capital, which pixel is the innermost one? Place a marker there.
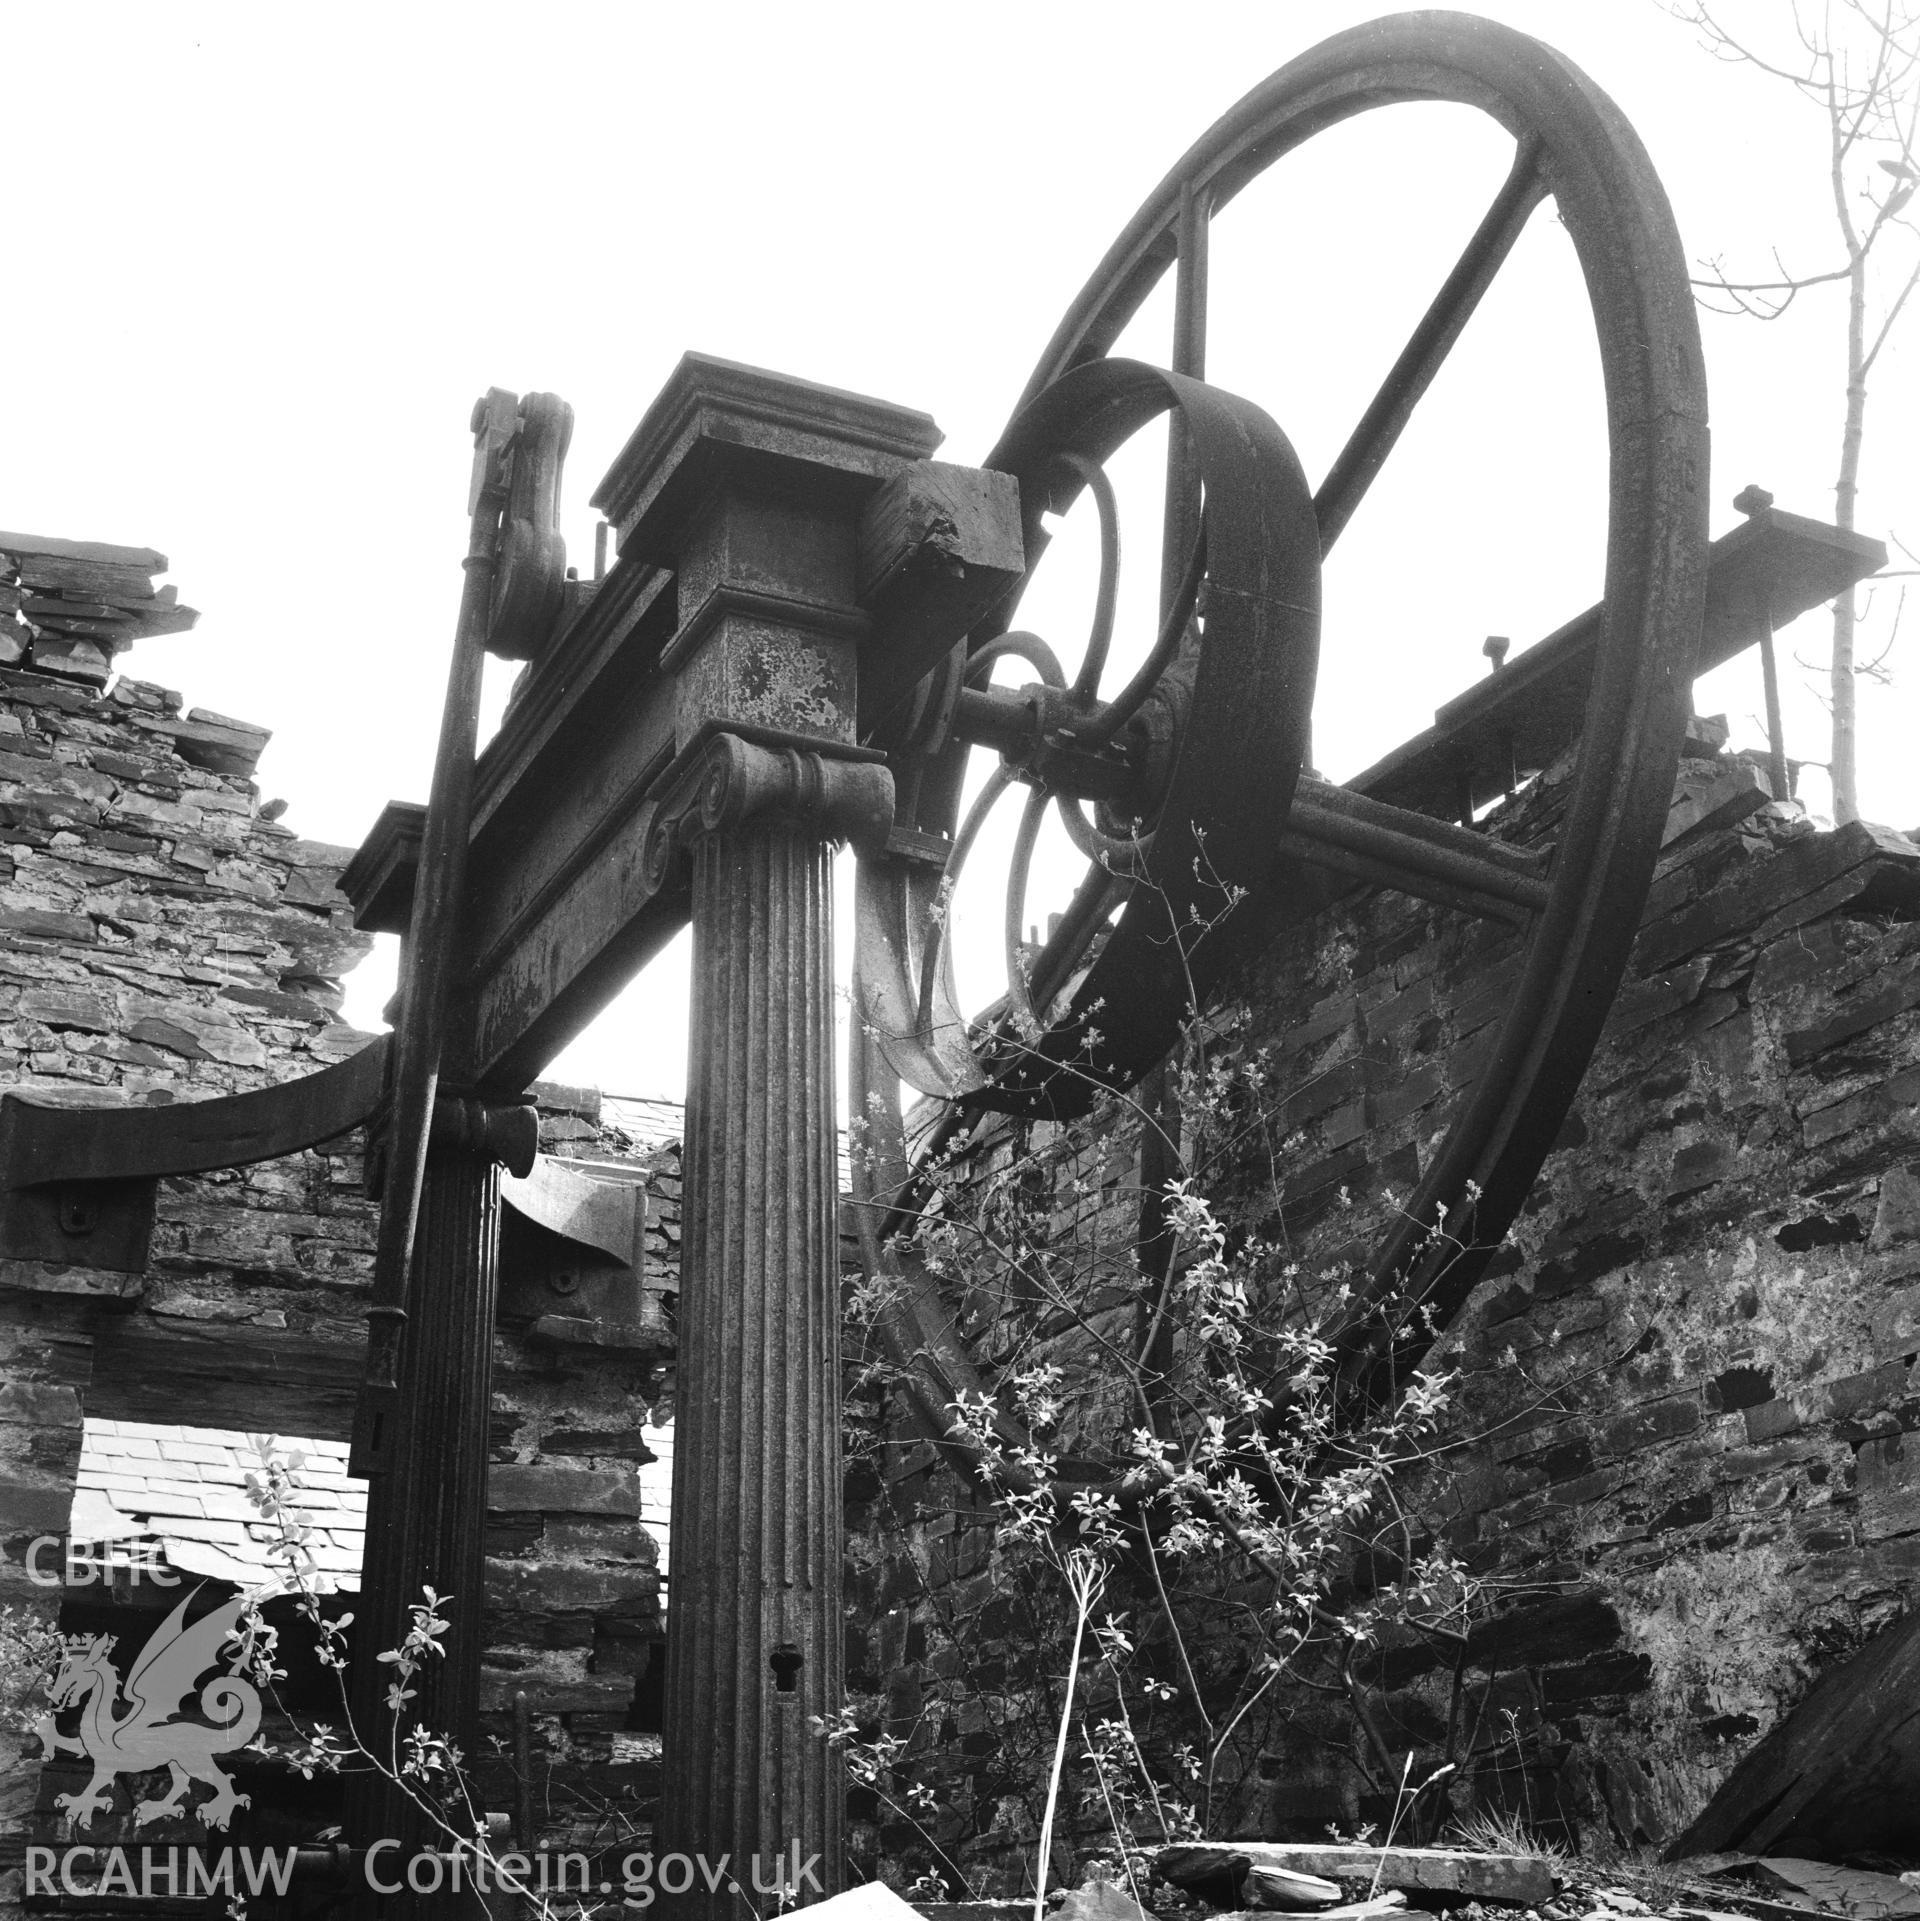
(727, 781)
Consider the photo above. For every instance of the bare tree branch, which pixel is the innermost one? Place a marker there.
(1860, 69)
(1893, 314)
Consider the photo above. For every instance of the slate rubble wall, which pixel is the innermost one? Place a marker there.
(1679, 1440)
(162, 937)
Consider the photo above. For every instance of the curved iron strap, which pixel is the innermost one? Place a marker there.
(1225, 801)
(45, 1144)
(1574, 144)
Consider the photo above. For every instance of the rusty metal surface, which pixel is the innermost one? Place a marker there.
(1372, 440)
(691, 744)
(41, 1143)
(426, 1524)
(685, 744)
(756, 1650)
(530, 555)
(1572, 145)
(92, 1224)
(1615, 213)
(1519, 719)
(433, 944)
(718, 419)
(608, 1216)
(77, 1184)
(1339, 828)
(1215, 810)
(1570, 142)
(691, 741)
(561, 912)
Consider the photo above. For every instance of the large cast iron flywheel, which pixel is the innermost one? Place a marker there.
(1180, 786)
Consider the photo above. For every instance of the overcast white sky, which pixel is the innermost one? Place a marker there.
(266, 257)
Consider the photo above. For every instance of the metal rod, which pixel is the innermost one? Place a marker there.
(1371, 871)
(1094, 478)
(522, 1771)
(1409, 845)
(432, 941)
(426, 1518)
(1026, 1021)
(1181, 526)
(523, 1834)
(1776, 730)
(1182, 555)
(1093, 900)
(1108, 720)
(997, 784)
(1426, 351)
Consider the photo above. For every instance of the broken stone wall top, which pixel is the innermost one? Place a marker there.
(68, 607)
(156, 926)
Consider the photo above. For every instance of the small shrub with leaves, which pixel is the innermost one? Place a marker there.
(1154, 1416)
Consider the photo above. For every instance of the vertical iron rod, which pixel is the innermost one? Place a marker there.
(523, 1830)
(1776, 730)
(426, 1527)
(1159, 1097)
(1182, 512)
(432, 941)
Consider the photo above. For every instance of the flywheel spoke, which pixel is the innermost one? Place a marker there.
(1093, 477)
(1108, 721)
(1425, 353)
(997, 784)
(1099, 892)
(1370, 841)
(1019, 994)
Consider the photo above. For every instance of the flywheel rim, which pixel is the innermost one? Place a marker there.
(1581, 152)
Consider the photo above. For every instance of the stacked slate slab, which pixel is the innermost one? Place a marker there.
(158, 1495)
(68, 607)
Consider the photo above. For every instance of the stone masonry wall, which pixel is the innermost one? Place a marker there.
(573, 1590)
(163, 936)
(1677, 1448)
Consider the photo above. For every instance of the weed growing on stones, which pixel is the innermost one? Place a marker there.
(1139, 1387)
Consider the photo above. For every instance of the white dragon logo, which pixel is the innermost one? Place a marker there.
(149, 1734)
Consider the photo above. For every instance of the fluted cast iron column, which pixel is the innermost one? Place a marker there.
(426, 1517)
(755, 1632)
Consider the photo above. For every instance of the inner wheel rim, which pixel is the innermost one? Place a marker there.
(1573, 144)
